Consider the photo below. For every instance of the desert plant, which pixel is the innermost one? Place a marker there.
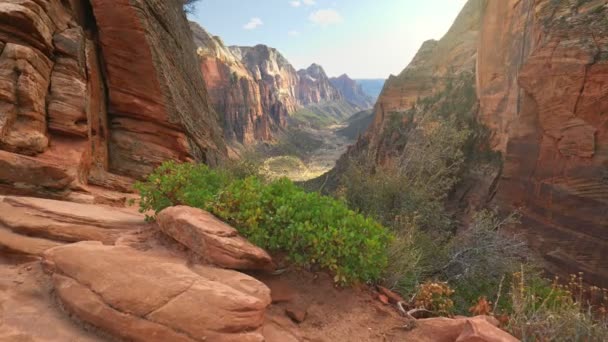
(435, 297)
(480, 257)
(545, 311)
(311, 229)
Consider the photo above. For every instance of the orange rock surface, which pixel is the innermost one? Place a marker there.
(98, 94)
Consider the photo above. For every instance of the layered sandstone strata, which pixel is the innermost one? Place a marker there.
(315, 87)
(541, 82)
(98, 93)
(543, 89)
(233, 90)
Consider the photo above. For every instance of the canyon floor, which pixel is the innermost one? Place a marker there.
(310, 164)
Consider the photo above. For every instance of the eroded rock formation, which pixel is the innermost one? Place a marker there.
(233, 90)
(256, 89)
(159, 299)
(352, 91)
(276, 77)
(540, 80)
(98, 93)
(315, 87)
(543, 90)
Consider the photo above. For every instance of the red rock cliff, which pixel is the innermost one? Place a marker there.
(97, 93)
(541, 81)
(543, 89)
(256, 89)
(352, 91)
(314, 86)
(233, 90)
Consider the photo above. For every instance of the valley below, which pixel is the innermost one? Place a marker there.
(254, 199)
(330, 145)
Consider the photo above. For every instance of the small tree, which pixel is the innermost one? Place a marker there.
(190, 5)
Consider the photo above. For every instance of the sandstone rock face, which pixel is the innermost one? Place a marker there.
(543, 90)
(352, 91)
(59, 59)
(256, 89)
(277, 80)
(158, 108)
(315, 87)
(159, 299)
(233, 90)
(215, 241)
(540, 78)
(68, 92)
(440, 73)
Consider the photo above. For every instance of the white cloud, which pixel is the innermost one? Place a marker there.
(309, 2)
(253, 23)
(326, 17)
(295, 3)
(293, 33)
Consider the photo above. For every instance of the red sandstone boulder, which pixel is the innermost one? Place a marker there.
(141, 296)
(476, 329)
(212, 239)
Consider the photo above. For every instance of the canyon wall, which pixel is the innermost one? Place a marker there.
(256, 90)
(96, 94)
(233, 90)
(539, 72)
(352, 91)
(543, 90)
(314, 86)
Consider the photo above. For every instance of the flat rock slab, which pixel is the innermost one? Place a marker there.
(29, 312)
(66, 221)
(140, 296)
(212, 239)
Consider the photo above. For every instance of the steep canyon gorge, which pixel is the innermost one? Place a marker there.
(95, 94)
(538, 69)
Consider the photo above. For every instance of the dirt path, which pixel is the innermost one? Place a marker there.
(320, 161)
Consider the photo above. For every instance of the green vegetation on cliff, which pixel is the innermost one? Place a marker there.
(312, 229)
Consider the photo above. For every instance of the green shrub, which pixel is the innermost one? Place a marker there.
(173, 183)
(278, 216)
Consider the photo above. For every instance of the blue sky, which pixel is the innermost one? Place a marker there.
(363, 38)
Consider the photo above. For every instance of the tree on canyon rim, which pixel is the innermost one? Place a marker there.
(190, 5)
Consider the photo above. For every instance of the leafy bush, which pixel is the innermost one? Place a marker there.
(173, 183)
(279, 216)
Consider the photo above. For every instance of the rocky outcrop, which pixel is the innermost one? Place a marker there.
(212, 239)
(97, 94)
(352, 91)
(315, 87)
(233, 91)
(159, 299)
(33, 225)
(543, 91)
(277, 80)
